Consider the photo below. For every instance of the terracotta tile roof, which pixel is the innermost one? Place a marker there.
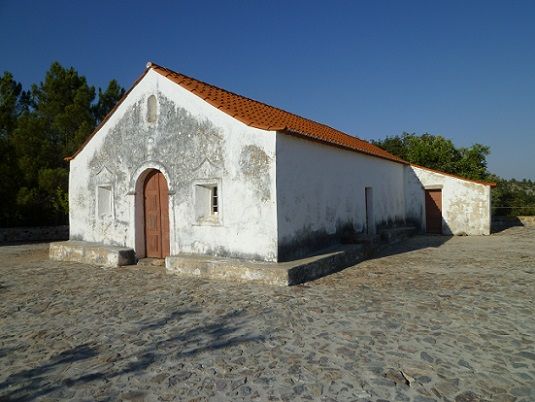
(265, 117)
(259, 115)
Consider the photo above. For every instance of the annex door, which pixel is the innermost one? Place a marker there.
(433, 211)
(156, 205)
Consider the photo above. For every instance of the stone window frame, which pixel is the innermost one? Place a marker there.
(211, 218)
(152, 118)
(111, 214)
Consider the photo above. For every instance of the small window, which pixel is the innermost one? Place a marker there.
(207, 203)
(104, 195)
(152, 106)
(214, 205)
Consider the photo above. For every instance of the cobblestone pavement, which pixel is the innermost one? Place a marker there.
(434, 318)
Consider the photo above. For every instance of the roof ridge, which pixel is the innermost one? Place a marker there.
(151, 65)
(257, 114)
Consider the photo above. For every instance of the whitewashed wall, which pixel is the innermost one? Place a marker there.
(465, 204)
(414, 199)
(279, 195)
(321, 190)
(190, 142)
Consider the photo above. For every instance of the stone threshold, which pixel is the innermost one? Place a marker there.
(151, 262)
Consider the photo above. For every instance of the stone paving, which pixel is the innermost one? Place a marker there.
(434, 318)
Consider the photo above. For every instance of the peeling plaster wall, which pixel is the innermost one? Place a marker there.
(321, 193)
(191, 142)
(465, 204)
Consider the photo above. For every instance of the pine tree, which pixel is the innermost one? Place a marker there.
(52, 120)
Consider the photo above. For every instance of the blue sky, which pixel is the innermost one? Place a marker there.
(465, 69)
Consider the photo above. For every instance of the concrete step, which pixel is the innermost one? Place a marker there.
(323, 263)
(91, 253)
(271, 273)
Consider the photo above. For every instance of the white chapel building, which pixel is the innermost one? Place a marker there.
(184, 167)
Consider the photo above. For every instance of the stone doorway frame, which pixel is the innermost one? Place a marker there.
(136, 189)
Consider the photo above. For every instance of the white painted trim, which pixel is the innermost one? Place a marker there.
(151, 164)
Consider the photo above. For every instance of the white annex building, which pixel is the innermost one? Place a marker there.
(181, 167)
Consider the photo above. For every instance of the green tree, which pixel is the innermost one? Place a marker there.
(10, 97)
(49, 123)
(107, 100)
(11, 104)
(58, 119)
(473, 162)
(509, 197)
(514, 197)
(64, 101)
(437, 152)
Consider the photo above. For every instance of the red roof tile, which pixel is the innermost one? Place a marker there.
(265, 117)
(259, 115)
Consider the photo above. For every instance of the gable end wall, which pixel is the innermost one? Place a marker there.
(191, 142)
(466, 205)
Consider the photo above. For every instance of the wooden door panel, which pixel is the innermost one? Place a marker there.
(152, 216)
(152, 221)
(156, 199)
(433, 211)
(153, 246)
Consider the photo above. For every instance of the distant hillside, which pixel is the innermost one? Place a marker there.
(527, 186)
(514, 198)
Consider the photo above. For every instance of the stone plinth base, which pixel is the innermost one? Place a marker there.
(397, 234)
(282, 274)
(91, 253)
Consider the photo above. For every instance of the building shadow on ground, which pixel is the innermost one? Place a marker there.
(168, 340)
(501, 223)
(417, 242)
(366, 251)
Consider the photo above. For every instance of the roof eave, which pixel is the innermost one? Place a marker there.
(482, 182)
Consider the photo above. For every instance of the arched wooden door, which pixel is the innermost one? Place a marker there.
(156, 205)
